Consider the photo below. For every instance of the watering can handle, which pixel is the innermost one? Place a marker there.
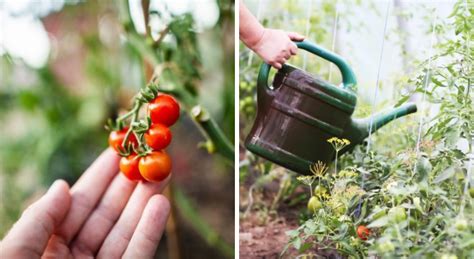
(348, 77)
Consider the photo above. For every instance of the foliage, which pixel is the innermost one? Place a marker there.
(416, 202)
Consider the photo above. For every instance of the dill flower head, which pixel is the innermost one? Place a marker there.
(306, 179)
(338, 144)
(318, 169)
(347, 174)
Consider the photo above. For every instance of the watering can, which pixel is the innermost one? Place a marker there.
(300, 112)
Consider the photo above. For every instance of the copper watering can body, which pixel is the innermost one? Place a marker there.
(300, 112)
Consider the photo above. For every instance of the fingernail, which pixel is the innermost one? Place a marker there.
(55, 186)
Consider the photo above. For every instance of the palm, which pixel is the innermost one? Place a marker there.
(108, 217)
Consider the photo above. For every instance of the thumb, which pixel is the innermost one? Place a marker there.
(30, 234)
(295, 36)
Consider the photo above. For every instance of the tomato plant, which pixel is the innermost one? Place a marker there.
(155, 167)
(408, 192)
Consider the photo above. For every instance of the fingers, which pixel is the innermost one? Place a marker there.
(293, 49)
(148, 233)
(29, 236)
(103, 218)
(120, 235)
(295, 36)
(285, 54)
(87, 192)
(276, 65)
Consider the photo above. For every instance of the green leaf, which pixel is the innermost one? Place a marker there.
(402, 100)
(448, 173)
(292, 233)
(304, 247)
(297, 243)
(423, 168)
(383, 221)
(436, 81)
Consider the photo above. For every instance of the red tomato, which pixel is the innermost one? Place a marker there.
(158, 136)
(116, 138)
(164, 110)
(155, 167)
(363, 232)
(129, 167)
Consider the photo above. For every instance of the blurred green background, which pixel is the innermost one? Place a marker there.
(67, 66)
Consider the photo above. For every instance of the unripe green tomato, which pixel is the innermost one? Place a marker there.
(314, 204)
(460, 224)
(413, 223)
(356, 241)
(471, 192)
(398, 214)
(386, 246)
(340, 210)
(448, 256)
(320, 190)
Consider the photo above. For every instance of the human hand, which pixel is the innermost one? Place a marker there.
(275, 47)
(103, 215)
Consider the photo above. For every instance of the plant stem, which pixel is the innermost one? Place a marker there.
(134, 111)
(136, 106)
(214, 134)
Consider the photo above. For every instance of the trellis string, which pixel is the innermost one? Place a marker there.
(308, 18)
(374, 98)
(471, 152)
(425, 85)
(334, 35)
(377, 83)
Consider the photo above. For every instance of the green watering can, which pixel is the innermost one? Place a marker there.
(299, 113)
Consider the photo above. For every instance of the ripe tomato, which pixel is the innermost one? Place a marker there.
(116, 138)
(164, 110)
(155, 167)
(363, 232)
(129, 167)
(158, 136)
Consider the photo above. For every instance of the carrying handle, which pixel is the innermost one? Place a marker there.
(349, 80)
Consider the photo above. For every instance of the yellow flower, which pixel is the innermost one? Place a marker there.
(306, 179)
(338, 143)
(347, 174)
(318, 169)
(321, 192)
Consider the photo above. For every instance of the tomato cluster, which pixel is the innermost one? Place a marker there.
(146, 159)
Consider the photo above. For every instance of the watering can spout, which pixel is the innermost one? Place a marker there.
(361, 128)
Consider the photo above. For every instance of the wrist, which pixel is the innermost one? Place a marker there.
(253, 37)
(257, 37)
